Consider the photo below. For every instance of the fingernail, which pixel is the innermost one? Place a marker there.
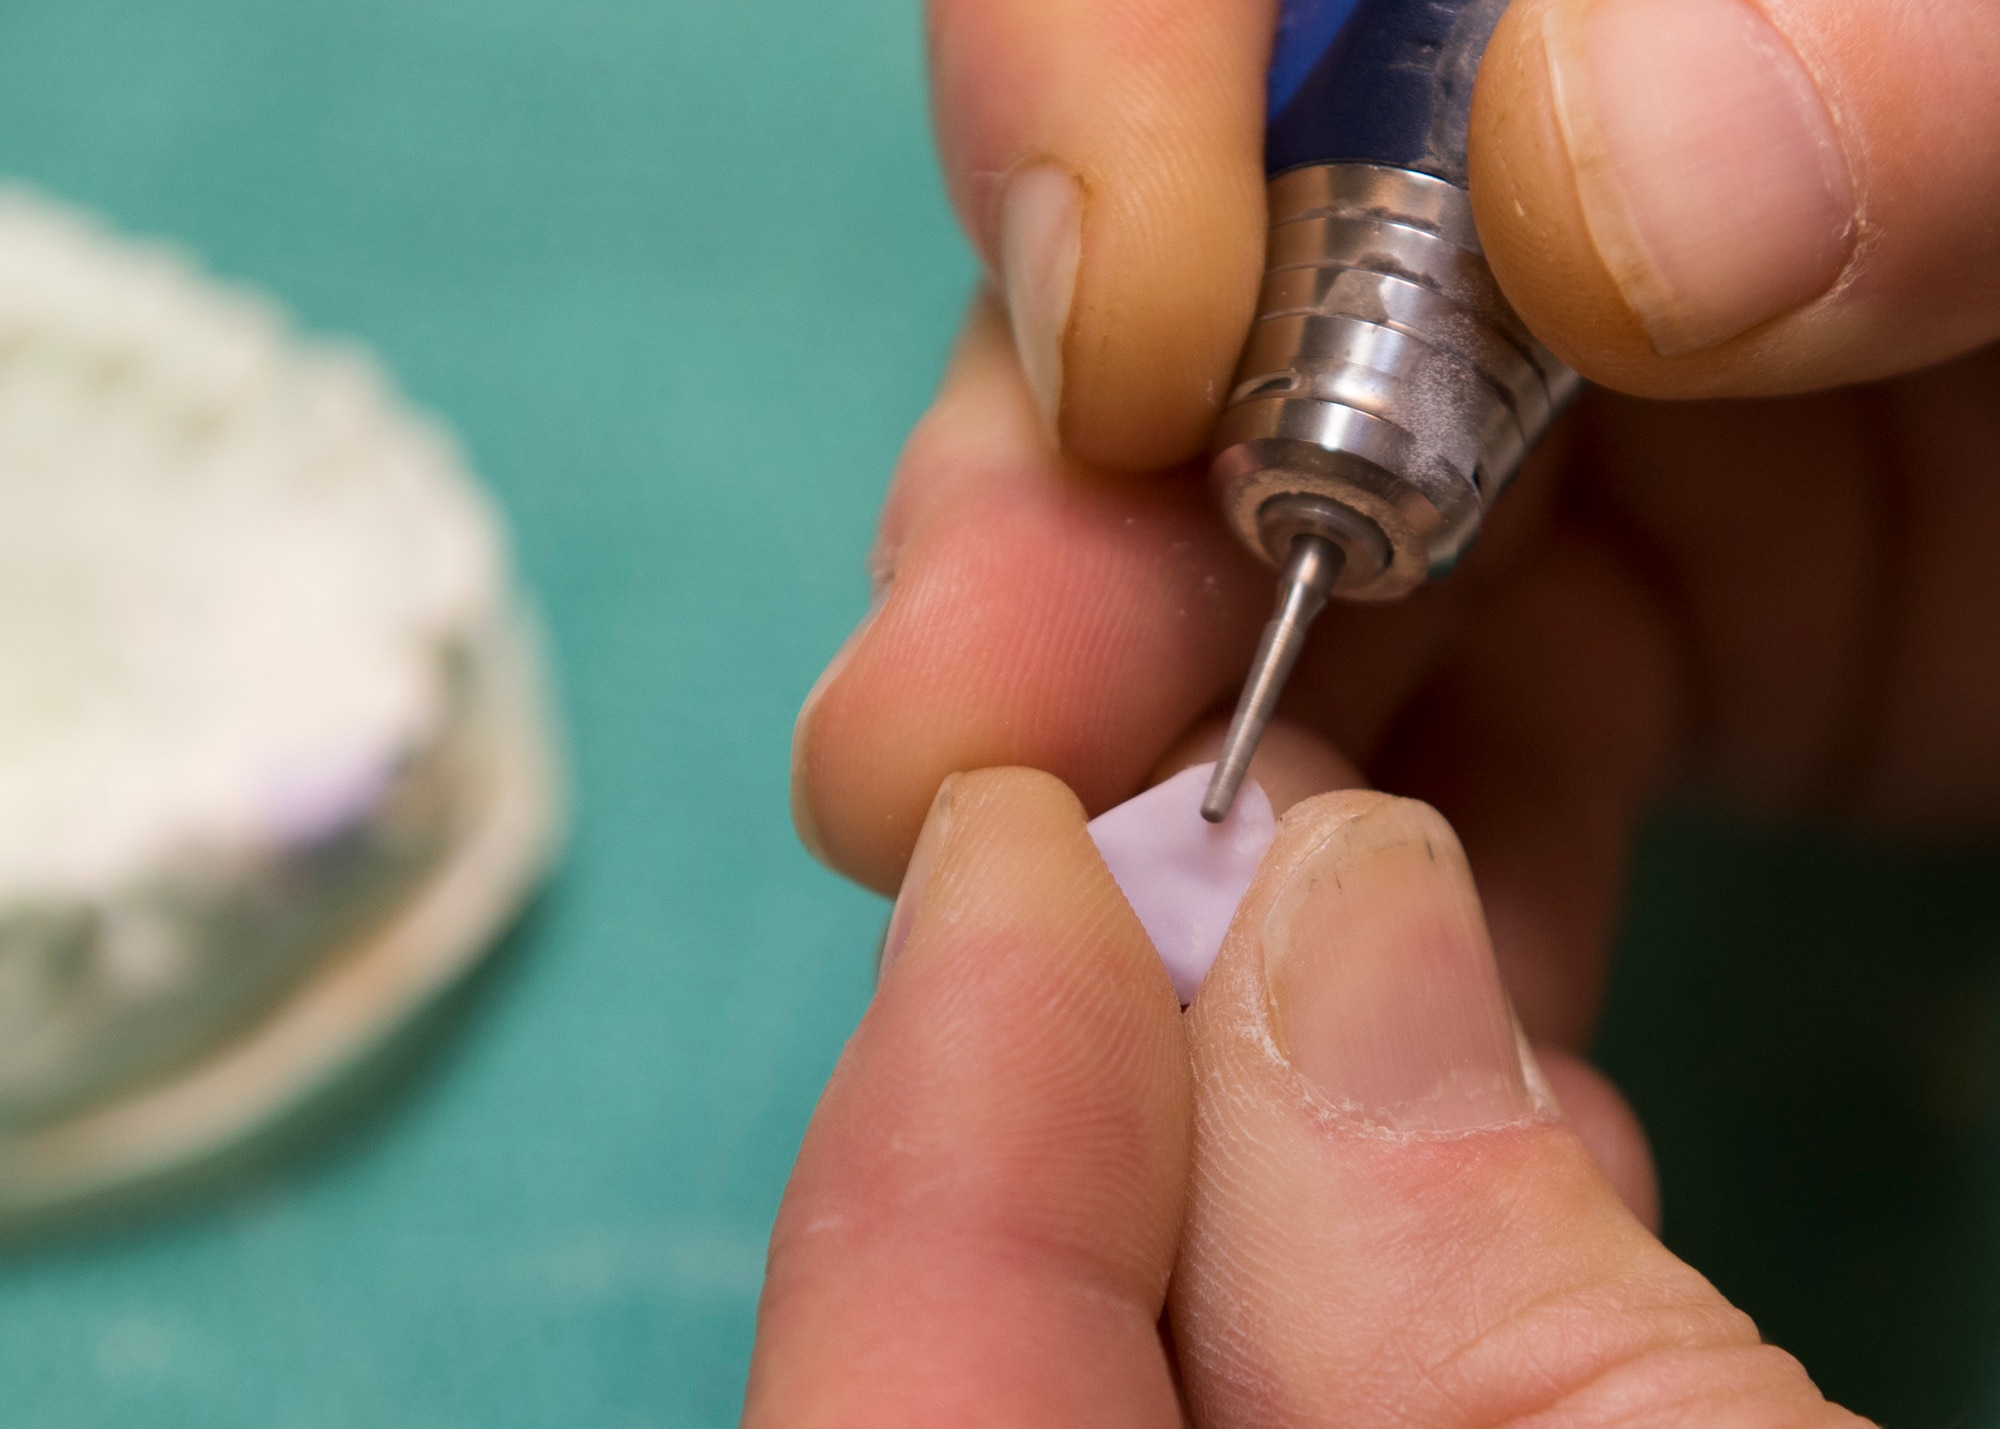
(1041, 224)
(1710, 173)
(923, 859)
(803, 819)
(1384, 994)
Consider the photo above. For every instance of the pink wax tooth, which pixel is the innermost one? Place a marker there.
(1182, 875)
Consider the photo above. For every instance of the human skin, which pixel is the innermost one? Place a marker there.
(1787, 601)
(1774, 586)
(1339, 1177)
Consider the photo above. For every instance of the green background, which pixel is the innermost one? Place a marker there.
(680, 274)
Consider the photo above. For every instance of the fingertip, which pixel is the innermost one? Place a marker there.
(1009, 848)
(817, 785)
(1677, 169)
(1038, 617)
(1027, 803)
(1106, 162)
(1004, 838)
(984, 1212)
(1388, 1222)
(1531, 220)
(1719, 198)
(1165, 295)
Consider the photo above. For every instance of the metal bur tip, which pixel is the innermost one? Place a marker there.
(1309, 574)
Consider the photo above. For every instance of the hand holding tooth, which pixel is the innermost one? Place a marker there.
(1382, 1213)
(1343, 1187)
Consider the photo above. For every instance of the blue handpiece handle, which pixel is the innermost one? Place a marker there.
(1387, 391)
(1376, 81)
(1385, 374)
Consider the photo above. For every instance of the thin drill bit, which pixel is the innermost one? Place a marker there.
(1309, 574)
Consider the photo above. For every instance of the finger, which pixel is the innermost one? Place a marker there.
(1608, 1128)
(1771, 527)
(1731, 197)
(1292, 764)
(1388, 1224)
(1544, 740)
(982, 1219)
(1035, 614)
(1934, 764)
(1106, 161)
(1829, 559)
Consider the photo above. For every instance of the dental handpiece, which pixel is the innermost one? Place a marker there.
(1387, 393)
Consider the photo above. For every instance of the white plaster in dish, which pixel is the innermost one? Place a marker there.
(1182, 875)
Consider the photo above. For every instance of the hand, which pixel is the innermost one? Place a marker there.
(1791, 600)
(1342, 1177)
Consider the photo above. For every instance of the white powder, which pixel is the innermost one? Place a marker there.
(231, 568)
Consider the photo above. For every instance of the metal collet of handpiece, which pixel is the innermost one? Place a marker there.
(1387, 393)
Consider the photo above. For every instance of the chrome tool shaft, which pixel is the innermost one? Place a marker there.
(1310, 571)
(1387, 391)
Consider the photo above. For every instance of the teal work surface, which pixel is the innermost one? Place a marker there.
(680, 274)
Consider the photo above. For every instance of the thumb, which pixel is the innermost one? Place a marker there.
(1389, 1222)
(1740, 197)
